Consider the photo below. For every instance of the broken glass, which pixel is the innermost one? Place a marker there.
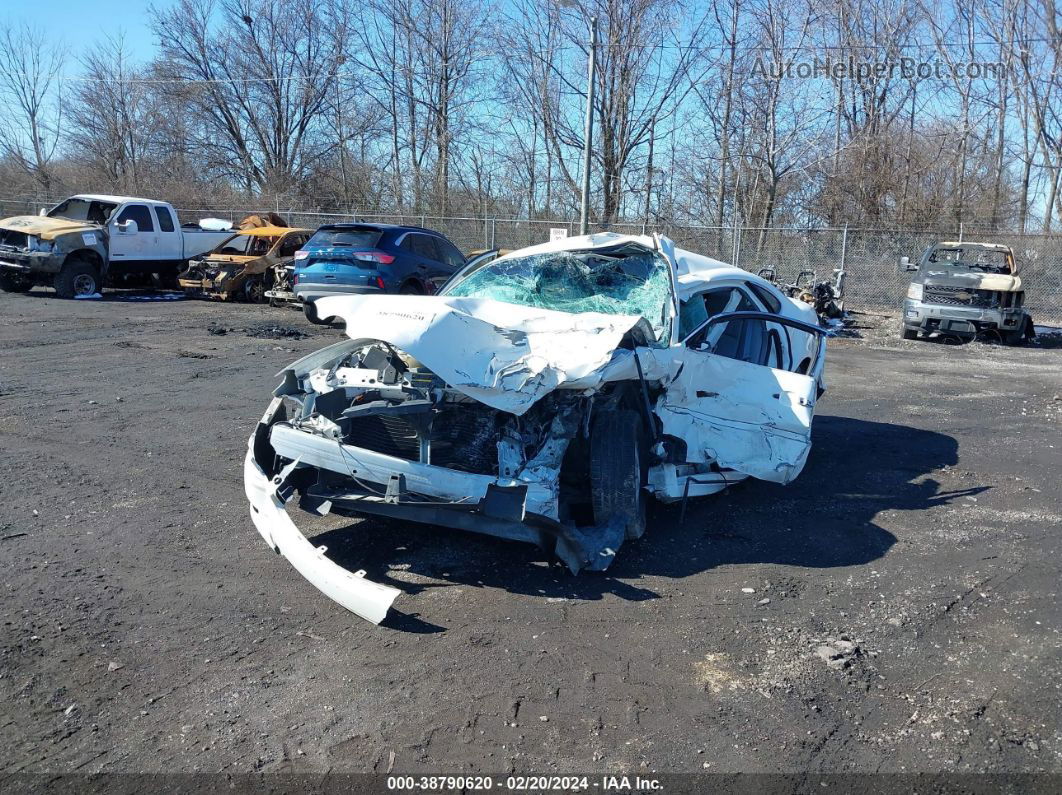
(612, 283)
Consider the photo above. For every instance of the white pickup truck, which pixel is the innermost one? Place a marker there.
(90, 240)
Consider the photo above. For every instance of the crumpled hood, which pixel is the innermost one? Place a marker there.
(503, 355)
(974, 280)
(44, 227)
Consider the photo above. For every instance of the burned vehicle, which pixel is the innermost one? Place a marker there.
(826, 296)
(92, 240)
(966, 290)
(243, 266)
(544, 396)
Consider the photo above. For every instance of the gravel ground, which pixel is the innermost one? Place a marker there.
(895, 609)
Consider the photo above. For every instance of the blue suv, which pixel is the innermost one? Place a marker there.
(363, 258)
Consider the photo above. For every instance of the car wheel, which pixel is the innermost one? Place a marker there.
(410, 288)
(908, 333)
(618, 468)
(310, 310)
(77, 277)
(13, 283)
(254, 290)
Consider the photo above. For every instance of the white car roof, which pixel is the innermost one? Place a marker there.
(693, 270)
(103, 197)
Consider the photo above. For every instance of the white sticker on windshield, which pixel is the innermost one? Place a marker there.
(89, 238)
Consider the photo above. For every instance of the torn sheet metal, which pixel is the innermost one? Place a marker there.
(503, 355)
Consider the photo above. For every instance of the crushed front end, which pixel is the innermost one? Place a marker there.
(216, 277)
(362, 428)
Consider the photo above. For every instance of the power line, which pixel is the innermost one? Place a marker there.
(806, 48)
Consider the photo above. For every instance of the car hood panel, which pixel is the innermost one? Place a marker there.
(46, 228)
(1003, 282)
(503, 355)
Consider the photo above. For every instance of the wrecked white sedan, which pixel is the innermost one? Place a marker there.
(544, 396)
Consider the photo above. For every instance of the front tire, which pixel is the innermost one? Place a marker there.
(77, 277)
(618, 469)
(908, 333)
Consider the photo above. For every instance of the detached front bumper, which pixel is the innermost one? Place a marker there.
(405, 490)
(363, 597)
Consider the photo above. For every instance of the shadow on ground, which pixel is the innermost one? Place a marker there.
(824, 519)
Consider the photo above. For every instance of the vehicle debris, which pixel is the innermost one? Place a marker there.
(543, 396)
(826, 296)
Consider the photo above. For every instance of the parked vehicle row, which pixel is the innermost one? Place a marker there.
(89, 241)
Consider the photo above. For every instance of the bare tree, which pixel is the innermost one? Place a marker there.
(31, 65)
(257, 76)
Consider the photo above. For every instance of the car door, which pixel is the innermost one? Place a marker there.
(733, 400)
(167, 244)
(132, 242)
(422, 258)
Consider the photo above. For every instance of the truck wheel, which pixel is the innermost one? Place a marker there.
(14, 283)
(618, 468)
(310, 310)
(908, 333)
(77, 277)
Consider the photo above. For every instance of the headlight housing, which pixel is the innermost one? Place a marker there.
(36, 244)
(914, 291)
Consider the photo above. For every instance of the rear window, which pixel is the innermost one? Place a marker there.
(357, 237)
(165, 219)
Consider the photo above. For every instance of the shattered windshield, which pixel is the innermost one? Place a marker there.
(987, 260)
(90, 210)
(620, 281)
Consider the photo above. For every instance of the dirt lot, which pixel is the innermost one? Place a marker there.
(147, 627)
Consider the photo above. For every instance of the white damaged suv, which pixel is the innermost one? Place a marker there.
(544, 396)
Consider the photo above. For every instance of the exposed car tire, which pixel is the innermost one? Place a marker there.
(77, 277)
(618, 467)
(908, 333)
(254, 290)
(410, 288)
(310, 310)
(13, 283)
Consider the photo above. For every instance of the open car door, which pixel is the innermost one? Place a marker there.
(734, 401)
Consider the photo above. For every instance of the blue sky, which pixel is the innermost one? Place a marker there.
(78, 23)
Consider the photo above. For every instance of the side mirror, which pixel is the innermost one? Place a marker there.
(128, 227)
(905, 265)
(43, 212)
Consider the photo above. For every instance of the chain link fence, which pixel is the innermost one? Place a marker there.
(869, 257)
